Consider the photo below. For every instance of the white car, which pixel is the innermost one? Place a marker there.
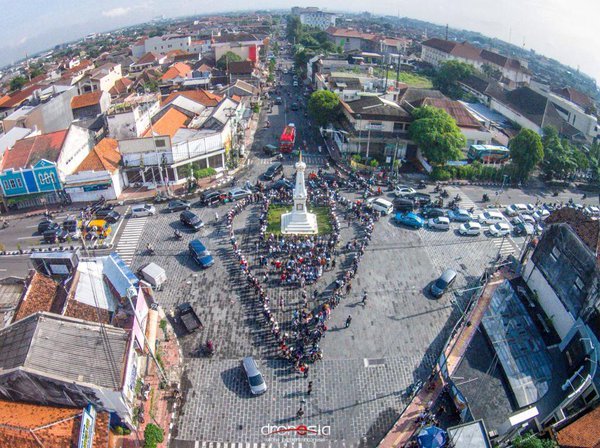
(403, 190)
(541, 214)
(238, 193)
(515, 209)
(439, 223)
(295, 84)
(470, 228)
(490, 217)
(527, 218)
(381, 205)
(499, 229)
(137, 211)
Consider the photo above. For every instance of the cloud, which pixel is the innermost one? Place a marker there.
(116, 12)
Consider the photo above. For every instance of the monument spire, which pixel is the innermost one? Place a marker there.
(299, 221)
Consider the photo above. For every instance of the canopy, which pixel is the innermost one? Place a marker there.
(432, 437)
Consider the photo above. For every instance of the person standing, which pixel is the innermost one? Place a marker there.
(310, 387)
(364, 299)
(300, 412)
(348, 321)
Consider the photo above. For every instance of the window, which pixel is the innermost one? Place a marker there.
(12, 183)
(160, 143)
(6, 185)
(19, 183)
(398, 127)
(579, 283)
(555, 253)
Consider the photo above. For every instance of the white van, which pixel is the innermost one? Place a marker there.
(381, 205)
(490, 217)
(138, 211)
(515, 209)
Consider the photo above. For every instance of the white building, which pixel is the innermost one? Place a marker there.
(131, 118)
(318, 19)
(161, 45)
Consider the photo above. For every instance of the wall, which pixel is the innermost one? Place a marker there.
(551, 304)
(514, 116)
(476, 136)
(76, 147)
(54, 115)
(75, 183)
(133, 123)
(194, 149)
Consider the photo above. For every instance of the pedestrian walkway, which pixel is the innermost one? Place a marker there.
(466, 202)
(130, 239)
(505, 246)
(282, 444)
(309, 159)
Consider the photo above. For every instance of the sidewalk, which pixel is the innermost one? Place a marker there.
(161, 405)
(407, 425)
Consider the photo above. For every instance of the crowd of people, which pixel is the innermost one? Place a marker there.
(295, 261)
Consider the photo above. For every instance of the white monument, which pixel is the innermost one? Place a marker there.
(299, 221)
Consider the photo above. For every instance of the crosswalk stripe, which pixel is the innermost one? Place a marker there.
(130, 238)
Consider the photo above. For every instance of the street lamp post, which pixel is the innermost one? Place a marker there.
(359, 118)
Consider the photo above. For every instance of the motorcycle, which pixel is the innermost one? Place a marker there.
(437, 188)
(422, 185)
(457, 198)
(210, 348)
(444, 193)
(485, 198)
(150, 249)
(178, 235)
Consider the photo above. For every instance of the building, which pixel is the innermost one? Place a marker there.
(243, 71)
(162, 45)
(351, 40)
(39, 164)
(131, 117)
(317, 19)
(46, 110)
(8, 139)
(177, 73)
(90, 104)
(246, 46)
(27, 425)
(98, 176)
(513, 72)
(102, 78)
(147, 60)
(581, 432)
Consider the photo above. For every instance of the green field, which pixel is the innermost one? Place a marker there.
(412, 79)
(275, 212)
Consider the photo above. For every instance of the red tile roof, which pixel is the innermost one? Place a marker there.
(121, 86)
(200, 96)
(39, 296)
(587, 229)
(19, 97)
(104, 157)
(177, 70)
(85, 100)
(573, 95)
(343, 32)
(582, 433)
(148, 58)
(29, 151)
(456, 110)
(26, 425)
(168, 124)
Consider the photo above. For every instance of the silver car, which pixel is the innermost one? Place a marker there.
(255, 378)
(142, 210)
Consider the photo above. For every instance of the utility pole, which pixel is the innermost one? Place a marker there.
(368, 142)
(359, 117)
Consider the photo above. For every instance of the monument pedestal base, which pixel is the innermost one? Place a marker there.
(299, 224)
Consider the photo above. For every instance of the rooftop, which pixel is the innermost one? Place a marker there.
(241, 67)
(29, 151)
(168, 124)
(105, 156)
(39, 296)
(87, 99)
(456, 110)
(177, 70)
(203, 97)
(582, 433)
(344, 32)
(70, 349)
(26, 425)
(587, 229)
(374, 107)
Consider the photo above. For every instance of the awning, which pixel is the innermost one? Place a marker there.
(151, 329)
(432, 437)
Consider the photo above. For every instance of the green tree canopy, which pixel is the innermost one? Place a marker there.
(293, 28)
(526, 151)
(228, 57)
(437, 134)
(323, 106)
(529, 440)
(17, 82)
(449, 74)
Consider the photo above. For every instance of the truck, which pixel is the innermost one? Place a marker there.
(188, 317)
(288, 138)
(154, 275)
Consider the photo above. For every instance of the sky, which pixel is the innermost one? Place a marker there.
(563, 30)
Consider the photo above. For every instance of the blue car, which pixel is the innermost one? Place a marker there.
(200, 254)
(459, 215)
(410, 220)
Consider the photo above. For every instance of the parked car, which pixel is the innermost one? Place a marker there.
(441, 285)
(490, 217)
(404, 205)
(200, 254)
(403, 190)
(499, 229)
(46, 224)
(188, 317)
(541, 214)
(138, 211)
(255, 379)
(439, 223)
(282, 183)
(459, 215)
(470, 228)
(383, 206)
(524, 229)
(238, 193)
(420, 199)
(273, 171)
(110, 216)
(410, 219)
(270, 149)
(295, 84)
(433, 212)
(177, 205)
(515, 209)
(211, 197)
(295, 106)
(73, 226)
(278, 100)
(191, 220)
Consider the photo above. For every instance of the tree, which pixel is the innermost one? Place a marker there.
(323, 106)
(437, 134)
(529, 440)
(153, 435)
(294, 28)
(526, 151)
(449, 74)
(17, 82)
(491, 72)
(223, 62)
